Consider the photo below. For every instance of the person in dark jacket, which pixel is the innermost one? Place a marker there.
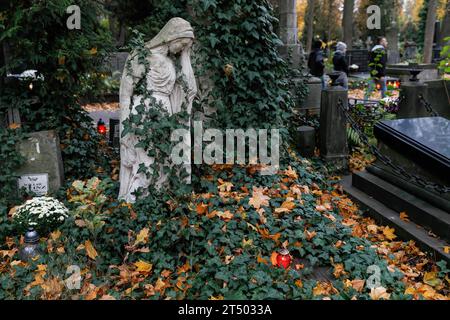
(316, 62)
(377, 64)
(340, 64)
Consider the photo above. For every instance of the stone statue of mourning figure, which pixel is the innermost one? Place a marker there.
(173, 42)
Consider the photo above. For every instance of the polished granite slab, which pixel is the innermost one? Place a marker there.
(422, 140)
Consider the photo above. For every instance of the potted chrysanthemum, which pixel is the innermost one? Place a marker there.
(42, 214)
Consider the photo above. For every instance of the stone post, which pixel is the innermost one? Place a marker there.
(333, 128)
(289, 32)
(410, 106)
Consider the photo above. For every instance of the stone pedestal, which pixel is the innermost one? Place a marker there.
(312, 100)
(333, 127)
(410, 107)
(305, 141)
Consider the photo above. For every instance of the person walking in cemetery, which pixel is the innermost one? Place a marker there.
(377, 64)
(340, 64)
(316, 62)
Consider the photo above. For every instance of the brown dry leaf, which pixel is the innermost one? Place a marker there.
(228, 259)
(80, 223)
(55, 235)
(309, 235)
(14, 126)
(379, 293)
(372, 228)
(142, 266)
(291, 173)
(389, 233)
(202, 208)
(299, 283)
(358, 284)
(404, 216)
(261, 259)
(323, 288)
(338, 244)
(52, 288)
(227, 215)
(357, 231)
(339, 270)
(184, 268)
(90, 250)
(286, 206)
(166, 273)
(107, 297)
(273, 258)
(160, 285)
(258, 198)
(224, 186)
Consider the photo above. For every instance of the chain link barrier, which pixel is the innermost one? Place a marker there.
(427, 106)
(386, 160)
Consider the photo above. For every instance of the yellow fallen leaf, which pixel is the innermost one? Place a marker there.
(431, 279)
(339, 270)
(142, 236)
(389, 233)
(142, 266)
(447, 249)
(246, 243)
(90, 250)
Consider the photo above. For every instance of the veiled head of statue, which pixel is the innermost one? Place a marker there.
(177, 33)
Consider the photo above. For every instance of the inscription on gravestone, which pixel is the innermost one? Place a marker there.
(36, 183)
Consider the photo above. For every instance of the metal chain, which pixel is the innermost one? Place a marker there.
(427, 106)
(386, 160)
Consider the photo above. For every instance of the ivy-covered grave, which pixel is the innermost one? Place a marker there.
(221, 242)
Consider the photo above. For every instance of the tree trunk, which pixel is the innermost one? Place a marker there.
(429, 31)
(347, 22)
(445, 29)
(392, 33)
(309, 25)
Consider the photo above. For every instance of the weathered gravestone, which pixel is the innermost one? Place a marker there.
(43, 171)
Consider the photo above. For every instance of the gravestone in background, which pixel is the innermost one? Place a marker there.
(360, 57)
(43, 170)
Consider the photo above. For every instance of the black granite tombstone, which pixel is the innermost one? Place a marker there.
(421, 146)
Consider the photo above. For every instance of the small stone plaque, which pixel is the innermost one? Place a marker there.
(36, 183)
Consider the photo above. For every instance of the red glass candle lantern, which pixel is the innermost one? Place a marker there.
(101, 127)
(284, 259)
